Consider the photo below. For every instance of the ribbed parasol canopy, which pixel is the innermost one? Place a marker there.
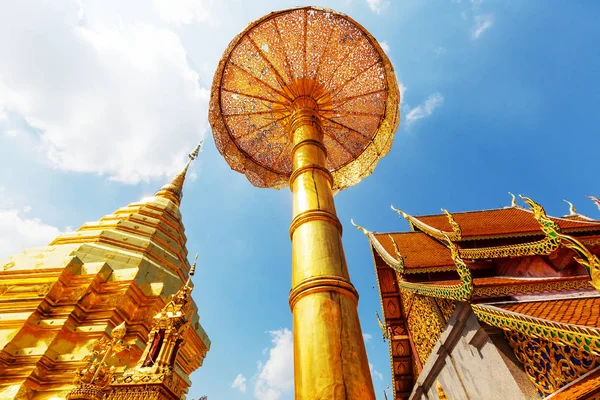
(312, 52)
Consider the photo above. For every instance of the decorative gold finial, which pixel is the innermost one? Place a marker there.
(193, 269)
(174, 189)
(194, 154)
(405, 215)
(513, 202)
(572, 210)
(360, 228)
(595, 200)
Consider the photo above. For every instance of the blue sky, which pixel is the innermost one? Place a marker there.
(100, 102)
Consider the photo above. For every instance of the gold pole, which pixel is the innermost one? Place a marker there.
(330, 360)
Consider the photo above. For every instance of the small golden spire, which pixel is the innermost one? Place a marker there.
(513, 202)
(572, 210)
(193, 269)
(174, 189)
(192, 272)
(595, 200)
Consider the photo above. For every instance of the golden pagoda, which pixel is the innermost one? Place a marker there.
(60, 304)
(492, 304)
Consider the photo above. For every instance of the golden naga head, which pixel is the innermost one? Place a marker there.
(538, 210)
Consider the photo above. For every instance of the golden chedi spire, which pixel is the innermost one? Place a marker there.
(57, 301)
(174, 189)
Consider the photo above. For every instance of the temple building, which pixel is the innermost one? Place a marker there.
(113, 296)
(492, 304)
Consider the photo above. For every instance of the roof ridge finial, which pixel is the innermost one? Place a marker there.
(572, 210)
(360, 228)
(402, 213)
(174, 189)
(513, 202)
(595, 200)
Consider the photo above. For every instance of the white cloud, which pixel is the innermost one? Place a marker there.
(367, 337)
(11, 132)
(18, 233)
(378, 5)
(239, 383)
(276, 375)
(440, 51)
(375, 373)
(402, 89)
(482, 24)
(385, 46)
(120, 101)
(183, 11)
(425, 109)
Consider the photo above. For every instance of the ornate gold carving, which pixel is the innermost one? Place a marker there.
(540, 287)
(590, 261)
(447, 307)
(549, 365)
(461, 291)
(96, 374)
(576, 336)
(440, 391)
(541, 247)
(425, 324)
(155, 369)
(258, 86)
(455, 227)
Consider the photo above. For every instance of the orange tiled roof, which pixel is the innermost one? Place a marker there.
(502, 221)
(418, 249)
(587, 385)
(582, 311)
